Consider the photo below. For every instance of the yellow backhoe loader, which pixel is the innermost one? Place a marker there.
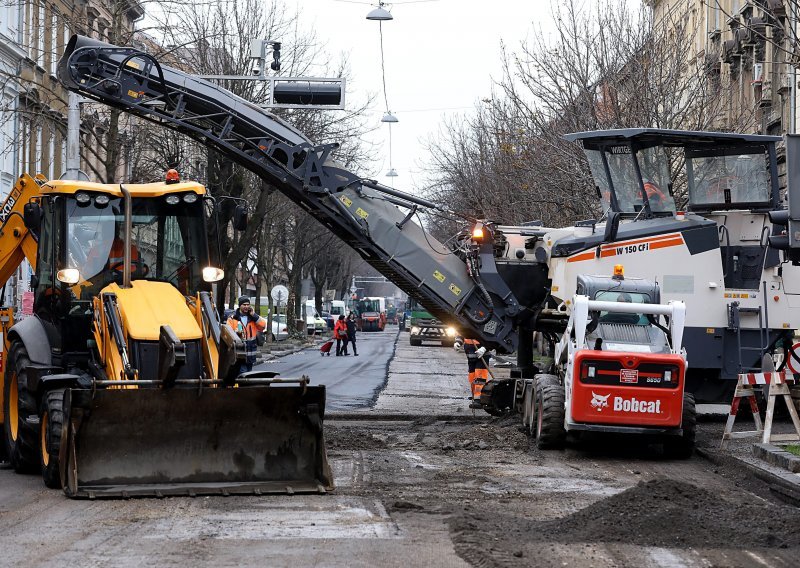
(123, 381)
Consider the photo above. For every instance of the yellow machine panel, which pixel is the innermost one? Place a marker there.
(146, 306)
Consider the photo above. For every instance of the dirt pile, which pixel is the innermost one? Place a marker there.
(660, 513)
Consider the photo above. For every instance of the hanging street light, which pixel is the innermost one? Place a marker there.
(392, 173)
(380, 14)
(389, 117)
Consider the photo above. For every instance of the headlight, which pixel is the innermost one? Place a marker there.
(172, 199)
(190, 198)
(101, 200)
(451, 331)
(213, 274)
(82, 198)
(69, 276)
(415, 330)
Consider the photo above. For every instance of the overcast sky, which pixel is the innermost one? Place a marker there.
(441, 58)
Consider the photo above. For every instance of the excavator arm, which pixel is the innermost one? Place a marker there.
(373, 219)
(17, 243)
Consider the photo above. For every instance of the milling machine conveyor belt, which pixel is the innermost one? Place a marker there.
(363, 213)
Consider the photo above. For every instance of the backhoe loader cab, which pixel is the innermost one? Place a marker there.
(120, 384)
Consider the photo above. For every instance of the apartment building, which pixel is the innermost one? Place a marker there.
(42, 104)
(748, 48)
(11, 57)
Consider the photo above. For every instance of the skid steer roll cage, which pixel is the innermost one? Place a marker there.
(583, 307)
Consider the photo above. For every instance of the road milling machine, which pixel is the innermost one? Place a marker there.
(499, 284)
(123, 382)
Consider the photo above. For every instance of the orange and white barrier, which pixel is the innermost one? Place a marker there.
(746, 386)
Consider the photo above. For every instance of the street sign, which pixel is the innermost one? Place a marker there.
(791, 363)
(279, 294)
(353, 289)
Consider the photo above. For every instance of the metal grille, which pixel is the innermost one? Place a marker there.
(624, 332)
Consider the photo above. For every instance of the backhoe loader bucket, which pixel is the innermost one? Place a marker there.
(187, 441)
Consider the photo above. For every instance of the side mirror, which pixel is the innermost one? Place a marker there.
(240, 217)
(32, 217)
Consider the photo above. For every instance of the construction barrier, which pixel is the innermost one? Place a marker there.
(778, 383)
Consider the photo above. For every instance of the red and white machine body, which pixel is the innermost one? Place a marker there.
(635, 381)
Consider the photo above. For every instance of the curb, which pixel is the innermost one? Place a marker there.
(777, 457)
(782, 482)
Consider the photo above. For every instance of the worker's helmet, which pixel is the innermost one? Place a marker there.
(173, 176)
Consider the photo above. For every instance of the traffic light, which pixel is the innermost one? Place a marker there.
(276, 56)
(786, 235)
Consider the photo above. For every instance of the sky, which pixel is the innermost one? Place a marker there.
(441, 58)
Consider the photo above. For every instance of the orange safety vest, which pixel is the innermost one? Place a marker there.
(478, 374)
(117, 255)
(250, 330)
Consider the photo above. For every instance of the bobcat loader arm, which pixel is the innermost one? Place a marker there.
(363, 213)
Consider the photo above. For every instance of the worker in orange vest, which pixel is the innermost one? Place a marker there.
(478, 371)
(247, 324)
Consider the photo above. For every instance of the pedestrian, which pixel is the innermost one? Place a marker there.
(340, 334)
(247, 324)
(351, 333)
(478, 372)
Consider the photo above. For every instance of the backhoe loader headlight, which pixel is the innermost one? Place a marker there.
(190, 198)
(101, 200)
(213, 274)
(172, 199)
(82, 198)
(451, 332)
(69, 276)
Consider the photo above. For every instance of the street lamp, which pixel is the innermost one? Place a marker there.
(389, 117)
(380, 14)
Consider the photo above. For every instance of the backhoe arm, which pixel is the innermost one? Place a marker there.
(17, 243)
(363, 213)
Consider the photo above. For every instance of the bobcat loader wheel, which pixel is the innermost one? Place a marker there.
(21, 427)
(682, 447)
(51, 422)
(550, 433)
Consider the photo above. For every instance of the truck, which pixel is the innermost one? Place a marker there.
(114, 384)
(422, 326)
(618, 370)
(729, 255)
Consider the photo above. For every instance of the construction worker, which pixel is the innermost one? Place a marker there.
(116, 256)
(478, 371)
(247, 324)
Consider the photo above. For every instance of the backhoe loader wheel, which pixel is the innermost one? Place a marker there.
(550, 433)
(51, 421)
(682, 447)
(21, 428)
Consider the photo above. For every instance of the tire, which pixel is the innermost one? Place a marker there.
(550, 433)
(415, 341)
(21, 428)
(51, 422)
(528, 410)
(682, 447)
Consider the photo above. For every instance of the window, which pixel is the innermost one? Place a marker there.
(55, 49)
(720, 181)
(38, 154)
(51, 153)
(40, 33)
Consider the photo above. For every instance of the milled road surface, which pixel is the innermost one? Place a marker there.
(416, 491)
(350, 382)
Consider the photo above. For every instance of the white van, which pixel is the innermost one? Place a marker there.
(314, 322)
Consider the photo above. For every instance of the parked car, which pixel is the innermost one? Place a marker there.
(280, 330)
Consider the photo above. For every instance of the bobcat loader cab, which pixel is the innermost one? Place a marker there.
(619, 369)
(123, 373)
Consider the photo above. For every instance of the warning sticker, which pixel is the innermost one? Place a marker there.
(133, 94)
(346, 200)
(133, 64)
(629, 376)
(361, 213)
(438, 275)
(455, 289)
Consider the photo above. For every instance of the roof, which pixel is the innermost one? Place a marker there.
(670, 137)
(137, 189)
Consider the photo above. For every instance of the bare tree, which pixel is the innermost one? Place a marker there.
(605, 66)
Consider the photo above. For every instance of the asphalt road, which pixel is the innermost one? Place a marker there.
(351, 382)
